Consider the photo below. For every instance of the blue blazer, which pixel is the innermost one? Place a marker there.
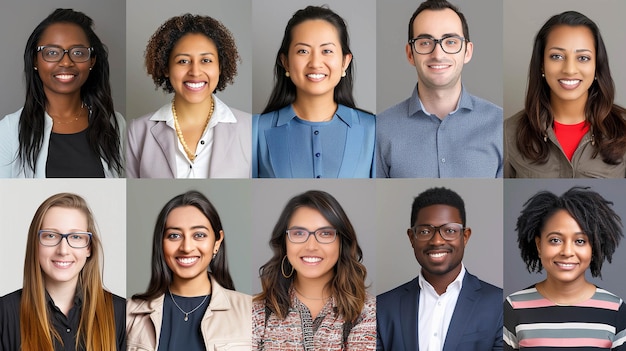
(270, 151)
(476, 323)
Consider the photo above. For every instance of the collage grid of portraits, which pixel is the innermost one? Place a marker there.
(125, 209)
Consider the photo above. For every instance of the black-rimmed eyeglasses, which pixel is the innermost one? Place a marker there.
(52, 53)
(448, 231)
(77, 240)
(322, 235)
(425, 45)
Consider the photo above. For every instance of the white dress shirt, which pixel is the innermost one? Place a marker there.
(435, 312)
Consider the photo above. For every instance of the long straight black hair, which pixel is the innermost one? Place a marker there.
(162, 276)
(284, 91)
(103, 131)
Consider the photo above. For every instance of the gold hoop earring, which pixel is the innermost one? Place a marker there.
(282, 268)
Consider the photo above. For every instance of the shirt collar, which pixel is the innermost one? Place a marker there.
(221, 114)
(457, 282)
(465, 102)
(78, 298)
(287, 113)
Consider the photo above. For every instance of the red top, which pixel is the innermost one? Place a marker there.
(569, 136)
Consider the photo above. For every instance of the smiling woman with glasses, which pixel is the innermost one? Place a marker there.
(68, 127)
(62, 305)
(315, 282)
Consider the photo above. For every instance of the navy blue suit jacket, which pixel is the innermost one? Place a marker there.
(476, 323)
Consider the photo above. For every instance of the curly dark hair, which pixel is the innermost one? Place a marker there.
(589, 209)
(163, 40)
(437, 196)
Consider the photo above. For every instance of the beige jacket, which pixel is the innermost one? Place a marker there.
(582, 165)
(226, 324)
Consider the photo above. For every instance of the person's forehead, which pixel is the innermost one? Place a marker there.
(437, 22)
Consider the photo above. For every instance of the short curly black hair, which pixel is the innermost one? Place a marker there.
(588, 208)
(163, 40)
(437, 196)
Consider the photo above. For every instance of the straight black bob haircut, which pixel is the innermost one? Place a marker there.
(284, 91)
(588, 208)
(437, 196)
(103, 132)
(162, 276)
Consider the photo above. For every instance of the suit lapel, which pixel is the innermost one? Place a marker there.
(463, 312)
(277, 145)
(223, 139)
(354, 144)
(409, 303)
(163, 136)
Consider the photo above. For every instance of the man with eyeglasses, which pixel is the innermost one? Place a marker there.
(445, 308)
(441, 131)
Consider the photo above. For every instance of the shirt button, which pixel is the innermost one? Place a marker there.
(68, 330)
(435, 334)
(316, 132)
(439, 303)
(202, 142)
(318, 177)
(318, 154)
(190, 167)
(443, 160)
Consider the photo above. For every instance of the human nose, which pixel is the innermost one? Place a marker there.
(63, 247)
(186, 245)
(315, 59)
(437, 238)
(438, 49)
(194, 69)
(65, 59)
(570, 66)
(567, 249)
(311, 241)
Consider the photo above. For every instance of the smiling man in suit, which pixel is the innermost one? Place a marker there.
(445, 308)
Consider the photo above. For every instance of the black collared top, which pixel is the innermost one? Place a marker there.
(66, 326)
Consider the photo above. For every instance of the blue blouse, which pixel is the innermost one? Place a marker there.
(285, 146)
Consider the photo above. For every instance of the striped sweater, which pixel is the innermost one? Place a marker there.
(531, 321)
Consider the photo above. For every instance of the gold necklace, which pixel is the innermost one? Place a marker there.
(311, 298)
(179, 131)
(57, 121)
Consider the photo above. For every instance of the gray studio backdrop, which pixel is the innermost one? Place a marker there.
(522, 21)
(20, 199)
(518, 191)
(396, 78)
(396, 263)
(269, 19)
(19, 18)
(146, 198)
(144, 17)
(356, 196)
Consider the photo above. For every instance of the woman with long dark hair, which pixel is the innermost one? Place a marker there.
(570, 126)
(566, 235)
(191, 302)
(67, 127)
(314, 295)
(62, 305)
(311, 127)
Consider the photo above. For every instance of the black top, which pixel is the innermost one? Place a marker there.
(178, 334)
(70, 156)
(66, 326)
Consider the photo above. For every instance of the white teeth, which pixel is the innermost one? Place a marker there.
(64, 76)
(569, 82)
(438, 254)
(438, 67)
(316, 76)
(187, 260)
(62, 264)
(311, 259)
(195, 85)
(567, 265)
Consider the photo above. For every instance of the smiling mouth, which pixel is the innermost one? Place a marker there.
(309, 259)
(62, 264)
(187, 261)
(197, 85)
(566, 265)
(316, 75)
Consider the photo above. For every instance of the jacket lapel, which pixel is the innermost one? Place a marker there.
(408, 316)
(163, 136)
(223, 138)
(463, 312)
(277, 145)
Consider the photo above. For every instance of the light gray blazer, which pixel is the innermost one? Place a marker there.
(151, 147)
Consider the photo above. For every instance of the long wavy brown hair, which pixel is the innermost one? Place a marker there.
(348, 283)
(606, 119)
(96, 330)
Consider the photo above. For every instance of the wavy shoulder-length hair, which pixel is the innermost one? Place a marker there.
(103, 131)
(96, 329)
(347, 286)
(590, 210)
(162, 277)
(606, 119)
(284, 91)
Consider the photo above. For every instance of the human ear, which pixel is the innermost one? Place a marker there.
(409, 54)
(469, 50)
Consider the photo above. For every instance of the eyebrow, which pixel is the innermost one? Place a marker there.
(309, 45)
(194, 227)
(561, 234)
(201, 54)
(562, 49)
(443, 35)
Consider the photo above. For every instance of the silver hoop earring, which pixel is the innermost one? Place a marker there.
(282, 268)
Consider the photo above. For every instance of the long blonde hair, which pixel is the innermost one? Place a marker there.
(96, 330)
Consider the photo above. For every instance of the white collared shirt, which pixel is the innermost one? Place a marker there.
(200, 167)
(435, 312)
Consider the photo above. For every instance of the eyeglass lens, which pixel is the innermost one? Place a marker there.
(449, 231)
(55, 54)
(323, 236)
(75, 240)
